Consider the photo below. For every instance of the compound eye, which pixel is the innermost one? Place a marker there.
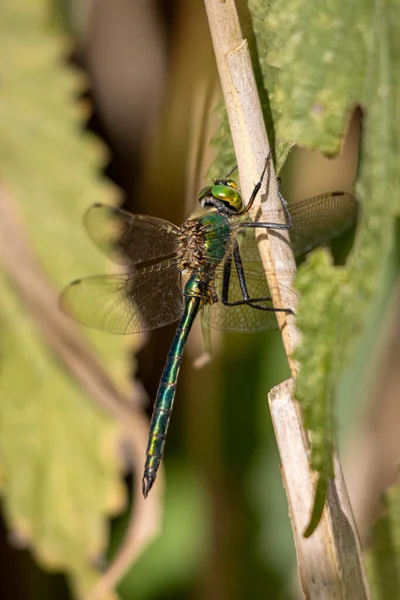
(232, 184)
(228, 195)
(206, 191)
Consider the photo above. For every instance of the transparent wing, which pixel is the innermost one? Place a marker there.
(246, 239)
(139, 301)
(130, 239)
(320, 219)
(242, 317)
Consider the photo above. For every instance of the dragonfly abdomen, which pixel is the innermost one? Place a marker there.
(167, 388)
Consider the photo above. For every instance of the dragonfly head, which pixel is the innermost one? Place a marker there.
(222, 195)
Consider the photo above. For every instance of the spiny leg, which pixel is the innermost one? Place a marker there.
(252, 302)
(230, 172)
(242, 280)
(240, 272)
(226, 279)
(262, 225)
(256, 187)
(285, 207)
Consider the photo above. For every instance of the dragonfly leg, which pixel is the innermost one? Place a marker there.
(230, 172)
(240, 272)
(262, 225)
(285, 207)
(256, 187)
(226, 279)
(243, 286)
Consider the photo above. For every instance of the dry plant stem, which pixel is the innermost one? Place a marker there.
(252, 148)
(330, 561)
(67, 344)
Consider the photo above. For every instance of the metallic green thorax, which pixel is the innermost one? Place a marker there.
(215, 237)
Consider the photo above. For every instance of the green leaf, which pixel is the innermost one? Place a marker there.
(318, 304)
(58, 452)
(59, 462)
(321, 51)
(332, 57)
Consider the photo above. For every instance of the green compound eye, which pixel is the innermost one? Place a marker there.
(228, 195)
(204, 192)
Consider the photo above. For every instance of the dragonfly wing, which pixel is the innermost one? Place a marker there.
(242, 317)
(246, 238)
(248, 247)
(145, 299)
(320, 219)
(130, 239)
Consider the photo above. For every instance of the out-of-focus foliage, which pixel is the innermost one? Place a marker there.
(172, 561)
(59, 463)
(332, 57)
(383, 556)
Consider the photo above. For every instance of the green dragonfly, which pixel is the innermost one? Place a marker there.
(216, 253)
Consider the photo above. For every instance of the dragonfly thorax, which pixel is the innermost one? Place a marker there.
(223, 195)
(203, 243)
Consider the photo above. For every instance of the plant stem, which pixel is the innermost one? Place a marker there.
(330, 561)
(252, 148)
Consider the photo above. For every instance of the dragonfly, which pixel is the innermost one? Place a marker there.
(210, 265)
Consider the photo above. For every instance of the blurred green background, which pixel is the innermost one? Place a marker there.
(152, 87)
